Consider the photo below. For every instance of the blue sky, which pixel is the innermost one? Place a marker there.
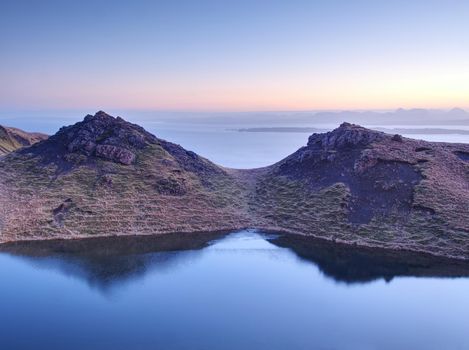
(233, 55)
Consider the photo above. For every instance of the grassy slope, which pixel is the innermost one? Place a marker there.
(112, 199)
(156, 195)
(437, 223)
(12, 139)
(7, 142)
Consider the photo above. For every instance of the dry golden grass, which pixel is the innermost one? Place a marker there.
(157, 194)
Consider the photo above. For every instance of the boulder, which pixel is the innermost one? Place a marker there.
(115, 154)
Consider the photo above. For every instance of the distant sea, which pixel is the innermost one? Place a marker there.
(236, 149)
(218, 138)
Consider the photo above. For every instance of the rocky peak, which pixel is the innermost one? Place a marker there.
(104, 136)
(346, 135)
(99, 115)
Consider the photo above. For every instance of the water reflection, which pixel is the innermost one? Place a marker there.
(106, 262)
(244, 290)
(361, 265)
(112, 261)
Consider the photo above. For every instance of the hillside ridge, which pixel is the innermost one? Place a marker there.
(105, 176)
(12, 139)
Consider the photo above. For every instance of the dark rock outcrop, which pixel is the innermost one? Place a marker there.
(369, 188)
(99, 135)
(347, 135)
(377, 186)
(115, 153)
(105, 137)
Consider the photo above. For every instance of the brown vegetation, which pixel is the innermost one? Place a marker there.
(12, 139)
(104, 176)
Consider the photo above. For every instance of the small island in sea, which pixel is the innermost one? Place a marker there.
(305, 129)
(354, 186)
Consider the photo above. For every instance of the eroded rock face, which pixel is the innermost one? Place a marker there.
(107, 137)
(116, 154)
(347, 135)
(99, 135)
(345, 155)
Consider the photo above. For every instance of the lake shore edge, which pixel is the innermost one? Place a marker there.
(310, 238)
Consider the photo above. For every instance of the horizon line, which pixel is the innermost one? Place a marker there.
(169, 110)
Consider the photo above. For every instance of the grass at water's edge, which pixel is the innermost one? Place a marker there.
(398, 251)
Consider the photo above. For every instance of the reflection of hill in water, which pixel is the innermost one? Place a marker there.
(111, 261)
(105, 263)
(360, 265)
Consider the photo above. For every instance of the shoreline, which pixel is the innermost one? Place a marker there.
(351, 186)
(271, 230)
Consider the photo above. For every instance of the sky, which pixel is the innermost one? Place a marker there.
(216, 55)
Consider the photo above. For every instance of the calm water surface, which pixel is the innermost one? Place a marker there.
(245, 290)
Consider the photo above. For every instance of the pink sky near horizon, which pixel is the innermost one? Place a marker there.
(242, 56)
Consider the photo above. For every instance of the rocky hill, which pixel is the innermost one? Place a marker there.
(104, 176)
(368, 188)
(12, 139)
